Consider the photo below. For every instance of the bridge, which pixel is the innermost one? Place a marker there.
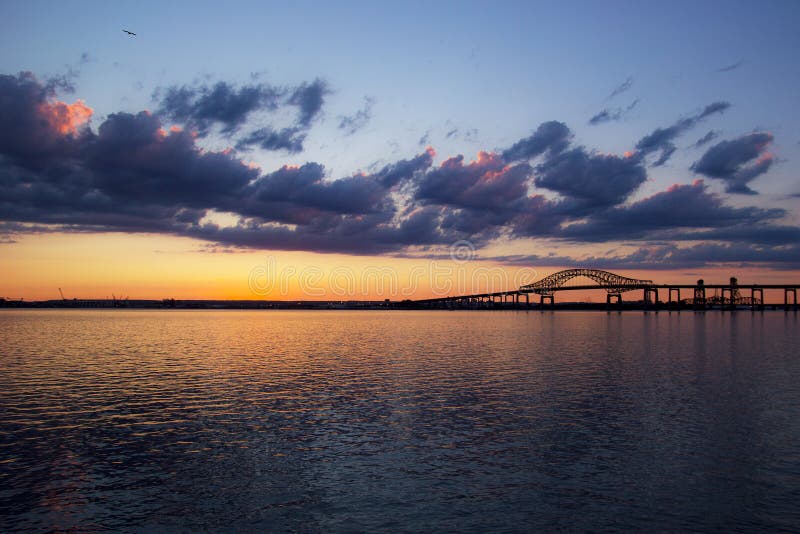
(731, 295)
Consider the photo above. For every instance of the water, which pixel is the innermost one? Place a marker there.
(398, 421)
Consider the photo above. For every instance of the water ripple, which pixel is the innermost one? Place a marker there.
(398, 421)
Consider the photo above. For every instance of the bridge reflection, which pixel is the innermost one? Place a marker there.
(731, 295)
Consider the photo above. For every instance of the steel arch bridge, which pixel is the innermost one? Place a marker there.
(612, 283)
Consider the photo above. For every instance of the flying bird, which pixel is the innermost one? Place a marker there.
(129, 33)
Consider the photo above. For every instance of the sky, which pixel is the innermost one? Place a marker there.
(371, 149)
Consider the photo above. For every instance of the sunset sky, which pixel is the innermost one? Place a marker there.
(259, 150)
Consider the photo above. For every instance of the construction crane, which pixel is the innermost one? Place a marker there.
(62, 294)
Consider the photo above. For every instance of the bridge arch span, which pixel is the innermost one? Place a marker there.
(611, 282)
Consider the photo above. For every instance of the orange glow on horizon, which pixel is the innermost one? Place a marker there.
(143, 266)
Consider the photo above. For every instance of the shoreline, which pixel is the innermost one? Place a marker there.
(167, 304)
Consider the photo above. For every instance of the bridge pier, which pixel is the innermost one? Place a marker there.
(753, 304)
(786, 292)
(648, 291)
(699, 300)
(676, 302)
(542, 298)
(730, 305)
(527, 301)
(732, 290)
(612, 296)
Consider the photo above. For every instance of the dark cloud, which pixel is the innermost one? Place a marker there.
(35, 127)
(479, 224)
(158, 184)
(705, 254)
(203, 106)
(668, 214)
(605, 115)
(288, 139)
(10, 230)
(615, 114)
(737, 162)
(132, 174)
(666, 153)
(352, 123)
(732, 66)
(593, 180)
(586, 182)
(469, 135)
(133, 158)
(309, 97)
(552, 136)
(661, 139)
(670, 257)
(621, 88)
(302, 193)
(538, 216)
(707, 138)
(394, 173)
(370, 234)
(64, 83)
(487, 182)
(759, 233)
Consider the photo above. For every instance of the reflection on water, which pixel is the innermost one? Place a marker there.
(339, 420)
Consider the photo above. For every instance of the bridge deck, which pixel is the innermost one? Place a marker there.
(605, 288)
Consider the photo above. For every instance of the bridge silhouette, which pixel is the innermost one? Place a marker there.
(615, 285)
